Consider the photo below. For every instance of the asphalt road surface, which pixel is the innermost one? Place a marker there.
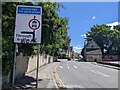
(75, 74)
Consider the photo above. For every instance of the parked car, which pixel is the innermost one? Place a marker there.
(69, 59)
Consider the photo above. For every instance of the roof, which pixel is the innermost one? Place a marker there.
(92, 48)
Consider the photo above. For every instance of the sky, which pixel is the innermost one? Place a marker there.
(83, 15)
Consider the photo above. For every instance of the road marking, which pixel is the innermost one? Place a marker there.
(57, 76)
(83, 66)
(67, 65)
(75, 67)
(54, 79)
(60, 66)
(93, 71)
(74, 86)
(54, 71)
(100, 73)
(60, 80)
(103, 74)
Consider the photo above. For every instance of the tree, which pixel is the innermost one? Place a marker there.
(115, 38)
(8, 26)
(100, 34)
(54, 33)
(106, 38)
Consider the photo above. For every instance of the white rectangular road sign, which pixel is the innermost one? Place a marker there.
(28, 24)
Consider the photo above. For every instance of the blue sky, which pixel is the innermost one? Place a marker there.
(83, 15)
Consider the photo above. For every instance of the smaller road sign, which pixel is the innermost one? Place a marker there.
(34, 24)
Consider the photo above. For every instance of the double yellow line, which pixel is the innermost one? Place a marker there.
(57, 80)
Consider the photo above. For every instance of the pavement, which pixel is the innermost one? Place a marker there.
(114, 65)
(114, 62)
(45, 78)
(78, 75)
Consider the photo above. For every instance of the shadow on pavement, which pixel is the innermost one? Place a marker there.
(26, 82)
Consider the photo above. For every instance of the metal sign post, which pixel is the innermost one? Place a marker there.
(28, 30)
(14, 66)
(37, 65)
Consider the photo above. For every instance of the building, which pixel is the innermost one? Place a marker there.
(92, 52)
(77, 55)
(70, 52)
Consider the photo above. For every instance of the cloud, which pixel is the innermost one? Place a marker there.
(83, 35)
(93, 17)
(76, 51)
(112, 24)
(77, 48)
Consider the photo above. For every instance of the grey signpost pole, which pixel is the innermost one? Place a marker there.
(14, 66)
(38, 58)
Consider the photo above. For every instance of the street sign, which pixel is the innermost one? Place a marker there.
(28, 24)
(27, 30)
(34, 24)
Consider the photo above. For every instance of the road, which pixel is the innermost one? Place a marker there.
(75, 74)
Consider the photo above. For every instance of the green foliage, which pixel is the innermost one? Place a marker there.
(54, 29)
(106, 38)
(54, 32)
(8, 26)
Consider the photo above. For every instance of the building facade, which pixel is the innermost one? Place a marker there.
(92, 52)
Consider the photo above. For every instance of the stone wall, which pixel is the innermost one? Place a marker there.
(21, 65)
(98, 58)
(44, 59)
(27, 64)
(113, 57)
